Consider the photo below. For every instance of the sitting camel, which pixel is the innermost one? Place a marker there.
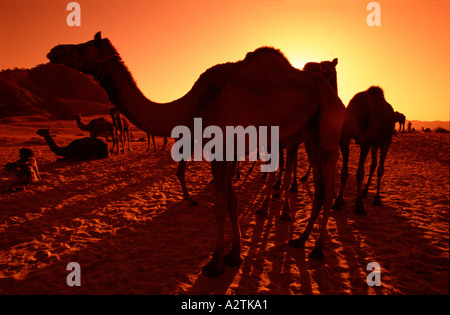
(121, 127)
(79, 149)
(99, 127)
(370, 120)
(400, 119)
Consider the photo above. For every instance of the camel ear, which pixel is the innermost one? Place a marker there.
(335, 61)
(98, 39)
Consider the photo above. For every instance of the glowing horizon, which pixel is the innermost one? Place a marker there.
(168, 44)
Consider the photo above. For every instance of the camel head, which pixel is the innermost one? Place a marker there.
(86, 57)
(327, 69)
(43, 132)
(77, 116)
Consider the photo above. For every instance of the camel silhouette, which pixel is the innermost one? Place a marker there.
(263, 89)
(370, 121)
(122, 128)
(99, 127)
(400, 119)
(326, 69)
(79, 149)
(154, 145)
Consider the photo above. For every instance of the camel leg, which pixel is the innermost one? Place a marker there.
(290, 162)
(317, 205)
(164, 144)
(359, 207)
(265, 205)
(326, 180)
(280, 174)
(234, 257)
(380, 172)
(373, 166)
(305, 177)
(148, 142)
(345, 150)
(128, 140)
(221, 204)
(181, 171)
(238, 172)
(294, 186)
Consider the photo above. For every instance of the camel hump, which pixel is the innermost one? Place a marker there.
(376, 90)
(265, 53)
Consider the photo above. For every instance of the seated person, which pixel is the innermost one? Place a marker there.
(25, 170)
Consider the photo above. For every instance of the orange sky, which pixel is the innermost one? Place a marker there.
(167, 44)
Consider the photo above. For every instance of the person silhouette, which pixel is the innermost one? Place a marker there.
(24, 171)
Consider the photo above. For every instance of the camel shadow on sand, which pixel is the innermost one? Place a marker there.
(129, 239)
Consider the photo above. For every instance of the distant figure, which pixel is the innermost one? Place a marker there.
(426, 130)
(24, 171)
(400, 119)
(409, 127)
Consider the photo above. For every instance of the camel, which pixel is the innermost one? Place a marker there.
(400, 119)
(163, 148)
(98, 127)
(79, 149)
(427, 130)
(328, 70)
(263, 89)
(121, 128)
(370, 120)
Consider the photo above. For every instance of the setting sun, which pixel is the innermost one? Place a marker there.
(168, 44)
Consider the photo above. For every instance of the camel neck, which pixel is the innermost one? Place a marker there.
(53, 146)
(155, 118)
(81, 125)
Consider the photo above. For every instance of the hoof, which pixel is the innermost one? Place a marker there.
(359, 207)
(232, 260)
(297, 243)
(285, 217)
(262, 211)
(364, 193)
(377, 201)
(191, 201)
(212, 269)
(293, 189)
(316, 253)
(338, 204)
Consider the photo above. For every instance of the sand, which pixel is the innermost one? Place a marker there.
(124, 221)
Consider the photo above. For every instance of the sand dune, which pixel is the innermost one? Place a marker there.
(124, 221)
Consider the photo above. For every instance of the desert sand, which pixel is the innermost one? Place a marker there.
(124, 221)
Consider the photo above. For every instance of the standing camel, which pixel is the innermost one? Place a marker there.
(99, 127)
(400, 119)
(79, 149)
(370, 120)
(261, 90)
(326, 69)
(154, 145)
(122, 128)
